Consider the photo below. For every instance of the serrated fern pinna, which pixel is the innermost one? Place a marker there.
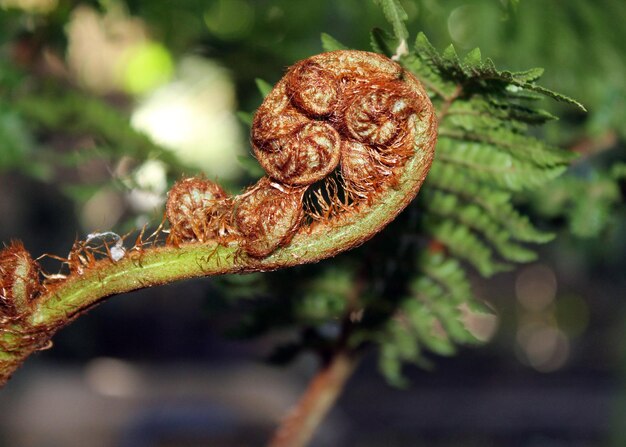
(484, 156)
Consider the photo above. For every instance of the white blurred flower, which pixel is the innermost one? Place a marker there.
(193, 116)
(148, 186)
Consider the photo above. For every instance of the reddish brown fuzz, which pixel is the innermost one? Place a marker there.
(340, 125)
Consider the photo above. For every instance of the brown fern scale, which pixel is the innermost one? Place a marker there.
(332, 136)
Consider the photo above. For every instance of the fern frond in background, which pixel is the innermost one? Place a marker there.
(484, 156)
(584, 53)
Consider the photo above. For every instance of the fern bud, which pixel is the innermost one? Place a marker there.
(19, 280)
(306, 156)
(196, 209)
(313, 89)
(267, 216)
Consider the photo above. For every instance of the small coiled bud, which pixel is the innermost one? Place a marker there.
(196, 209)
(19, 280)
(361, 168)
(267, 216)
(313, 89)
(275, 120)
(306, 156)
(376, 114)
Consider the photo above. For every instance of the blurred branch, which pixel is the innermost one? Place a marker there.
(300, 425)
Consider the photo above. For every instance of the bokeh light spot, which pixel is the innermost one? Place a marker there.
(148, 185)
(230, 19)
(462, 25)
(145, 67)
(112, 377)
(103, 210)
(545, 348)
(535, 287)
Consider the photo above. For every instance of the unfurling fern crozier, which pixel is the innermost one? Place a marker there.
(346, 139)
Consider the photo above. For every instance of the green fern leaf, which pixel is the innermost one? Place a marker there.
(427, 328)
(433, 294)
(396, 16)
(497, 203)
(484, 157)
(482, 76)
(264, 87)
(472, 216)
(586, 202)
(390, 365)
(329, 43)
(522, 147)
(473, 59)
(449, 273)
(484, 163)
(463, 243)
(530, 75)
(383, 42)
(429, 318)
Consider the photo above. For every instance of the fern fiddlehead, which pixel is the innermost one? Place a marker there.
(338, 129)
(346, 139)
